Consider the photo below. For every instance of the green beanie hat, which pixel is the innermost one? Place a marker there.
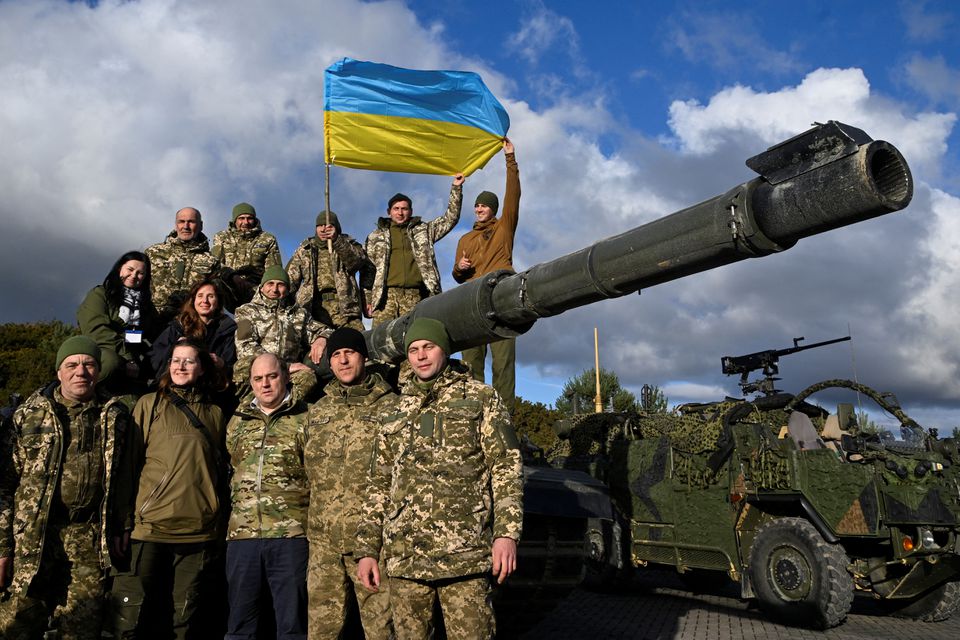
(490, 199)
(322, 220)
(276, 272)
(78, 345)
(427, 329)
(243, 209)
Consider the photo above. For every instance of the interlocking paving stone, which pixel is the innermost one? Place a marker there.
(658, 606)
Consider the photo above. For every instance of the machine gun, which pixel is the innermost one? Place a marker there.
(828, 177)
(767, 361)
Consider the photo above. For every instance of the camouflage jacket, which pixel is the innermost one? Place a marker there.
(341, 429)
(174, 266)
(422, 236)
(31, 469)
(275, 326)
(268, 493)
(312, 259)
(446, 479)
(249, 252)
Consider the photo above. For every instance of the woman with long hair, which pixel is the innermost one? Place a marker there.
(201, 318)
(175, 465)
(120, 317)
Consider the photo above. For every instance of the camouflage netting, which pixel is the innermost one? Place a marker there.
(590, 435)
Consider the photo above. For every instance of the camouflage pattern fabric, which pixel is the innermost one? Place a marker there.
(690, 433)
(175, 266)
(422, 236)
(269, 494)
(466, 605)
(341, 433)
(247, 252)
(275, 326)
(397, 301)
(31, 470)
(325, 283)
(446, 480)
(328, 583)
(71, 582)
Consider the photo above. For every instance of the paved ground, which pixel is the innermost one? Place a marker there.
(658, 606)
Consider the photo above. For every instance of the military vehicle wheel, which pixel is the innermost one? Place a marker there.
(798, 576)
(936, 606)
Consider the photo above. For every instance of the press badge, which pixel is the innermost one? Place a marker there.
(133, 336)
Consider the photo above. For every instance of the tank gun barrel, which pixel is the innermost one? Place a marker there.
(830, 176)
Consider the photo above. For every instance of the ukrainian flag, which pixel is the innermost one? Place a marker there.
(390, 119)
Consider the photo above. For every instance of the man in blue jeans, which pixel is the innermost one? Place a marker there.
(266, 538)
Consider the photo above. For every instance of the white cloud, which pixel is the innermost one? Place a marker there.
(824, 94)
(933, 77)
(114, 117)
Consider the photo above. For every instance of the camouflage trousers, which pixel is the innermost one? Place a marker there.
(465, 602)
(326, 310)
(330, 579)
(503, 356)
(396, 302)
(68, 588)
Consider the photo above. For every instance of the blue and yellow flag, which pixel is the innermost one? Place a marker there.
(390, 119)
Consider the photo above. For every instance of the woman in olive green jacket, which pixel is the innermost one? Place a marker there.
(174, 459)
(120, 317)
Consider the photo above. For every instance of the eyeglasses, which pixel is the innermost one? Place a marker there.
(187, 362)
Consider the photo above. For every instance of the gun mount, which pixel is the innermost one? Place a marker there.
(828, 177)
(768, 361)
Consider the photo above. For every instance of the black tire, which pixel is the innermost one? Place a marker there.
(798, 577)
(935, 606)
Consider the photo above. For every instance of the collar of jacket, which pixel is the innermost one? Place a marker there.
(384, 223)
(200, 244)
(454, 371)
(372, 386)
(249, 233)
(100, 396)
(486, 224)
(249, 409)
(273, 305)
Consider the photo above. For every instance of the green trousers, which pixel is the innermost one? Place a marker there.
(159, 595)
(504, 357)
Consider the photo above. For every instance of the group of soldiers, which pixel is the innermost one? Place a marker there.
(400, 499)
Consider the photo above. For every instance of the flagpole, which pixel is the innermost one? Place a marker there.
(326, 202)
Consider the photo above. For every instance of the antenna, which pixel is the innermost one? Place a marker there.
(597, 399)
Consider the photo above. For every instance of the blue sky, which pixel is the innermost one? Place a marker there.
(116, 115)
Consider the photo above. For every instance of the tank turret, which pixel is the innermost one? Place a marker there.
(830, 176)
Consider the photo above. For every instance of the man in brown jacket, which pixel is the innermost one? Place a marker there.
(489, 247)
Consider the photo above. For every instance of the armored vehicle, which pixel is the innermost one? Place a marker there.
(828, 177)
(802, 507)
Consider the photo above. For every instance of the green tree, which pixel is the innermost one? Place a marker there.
(584, 386)
(535, 421)
(866, 424)
(28, 353)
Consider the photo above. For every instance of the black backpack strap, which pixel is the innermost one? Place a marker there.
(181, 404)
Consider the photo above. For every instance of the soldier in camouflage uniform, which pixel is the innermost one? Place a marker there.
(401, 251)
(324, 282)
(179, 261)
(445, 496)
(273, 323)
(57, 460)
(246, 249)
(341, 431)
(266, 537)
